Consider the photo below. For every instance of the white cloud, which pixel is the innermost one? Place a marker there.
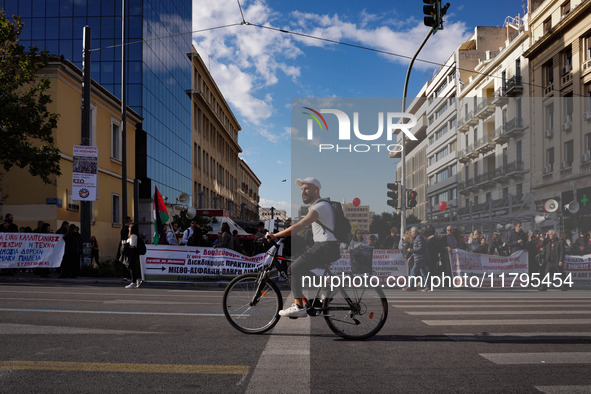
(281, 205)
(246, 60)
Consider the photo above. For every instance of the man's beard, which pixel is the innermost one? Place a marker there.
(307, 199)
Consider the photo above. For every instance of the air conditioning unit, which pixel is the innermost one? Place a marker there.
(586, 157)
(548, 169)
(548, 133)
(567, 69)
(587, 115)
(566, 126)
(565, 164)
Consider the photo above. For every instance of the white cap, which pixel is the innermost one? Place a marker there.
(310, 180)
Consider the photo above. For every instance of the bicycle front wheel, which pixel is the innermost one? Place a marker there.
(356, 313)
(248, 311)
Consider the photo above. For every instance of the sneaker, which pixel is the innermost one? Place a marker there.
(426, 289)
(294, 311)
(131, 286)
(409, 289)
(138, 283)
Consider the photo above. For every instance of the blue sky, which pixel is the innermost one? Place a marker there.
(260, 70)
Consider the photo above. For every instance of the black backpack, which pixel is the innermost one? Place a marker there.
(342, 229)
(141, 246)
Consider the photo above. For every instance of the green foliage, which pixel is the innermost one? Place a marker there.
(26, 126)
(381, 224)
(185, 222)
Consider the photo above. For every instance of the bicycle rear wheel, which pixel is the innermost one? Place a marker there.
(247, 311)
(356, 313)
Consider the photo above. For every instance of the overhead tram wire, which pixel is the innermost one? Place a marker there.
(380, 51)
(170, 36)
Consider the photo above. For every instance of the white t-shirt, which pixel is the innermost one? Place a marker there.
(326, 216)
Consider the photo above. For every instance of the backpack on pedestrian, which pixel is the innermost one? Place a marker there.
(141, 246)
(342, 225)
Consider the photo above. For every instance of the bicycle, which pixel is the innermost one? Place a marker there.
(252, 302)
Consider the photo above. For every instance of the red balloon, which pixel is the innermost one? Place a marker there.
(442, 206)
(356, 202)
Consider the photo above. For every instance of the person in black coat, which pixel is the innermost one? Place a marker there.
(554, 253)
(517, 239)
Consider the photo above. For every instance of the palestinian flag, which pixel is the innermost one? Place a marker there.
(160, 216)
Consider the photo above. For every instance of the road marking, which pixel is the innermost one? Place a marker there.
(127, 301)
(532, 336)
(505, 322)
(480, 300)
(100, 312)
(31, 329)
(467, 313)
(475, 306)
(286, 358)
(564, 389)
(538, 358)
(136, 293)
(124, 367)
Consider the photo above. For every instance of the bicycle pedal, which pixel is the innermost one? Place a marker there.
(322, 314)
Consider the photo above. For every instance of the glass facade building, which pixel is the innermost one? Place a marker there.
(158, 71)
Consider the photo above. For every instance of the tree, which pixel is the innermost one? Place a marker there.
(26, 126)
(381, 224)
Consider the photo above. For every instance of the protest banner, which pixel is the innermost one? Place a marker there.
(189, 263)
(580, 269)
(30, 250)
(486, 271)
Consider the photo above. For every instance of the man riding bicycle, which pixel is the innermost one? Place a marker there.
(325, 249)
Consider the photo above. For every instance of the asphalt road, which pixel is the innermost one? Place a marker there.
(97, 338)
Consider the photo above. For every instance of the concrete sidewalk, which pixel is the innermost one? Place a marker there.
(53, 278)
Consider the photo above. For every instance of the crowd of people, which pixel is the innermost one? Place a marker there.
(427, 252)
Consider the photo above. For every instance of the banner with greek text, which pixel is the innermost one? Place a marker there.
(483, 270)
(188, 263)
(385, 263)
(165, 263)
(29, 250)
(580, 268)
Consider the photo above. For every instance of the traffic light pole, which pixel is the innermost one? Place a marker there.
(402, 195)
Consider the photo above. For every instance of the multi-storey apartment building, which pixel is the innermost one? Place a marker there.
(221, 179)
(559, 55)
(416, 156)
(494, 135)
(360, 216)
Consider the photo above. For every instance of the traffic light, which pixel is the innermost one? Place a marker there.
(393, 194)
(411, 198)
(432, 11)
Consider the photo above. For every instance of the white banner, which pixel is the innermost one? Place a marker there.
(85, 173)
(385, 263)
(502, 271)
(30, 250)
(190, 263)
(580, 268)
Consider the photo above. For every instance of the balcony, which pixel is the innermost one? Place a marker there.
(514, 86)
(567, 75)
(500, 135)
(509, 171)
(483, 180)
(485, 108)
(514, 127)
(465, 187)
(465, 155)
(484, 145)
(499, 97)
(463, 123)
(549, 88)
